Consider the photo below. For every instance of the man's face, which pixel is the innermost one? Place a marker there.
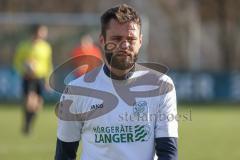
(42, 32)
(121, 44)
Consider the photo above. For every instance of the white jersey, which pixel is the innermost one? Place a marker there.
(124, 132)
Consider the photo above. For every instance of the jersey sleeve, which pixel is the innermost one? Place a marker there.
(166, 148)
(166, 121)
(69, 131)
(66, 150)
(49, 63)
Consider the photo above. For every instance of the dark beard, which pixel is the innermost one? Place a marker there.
(122, 64)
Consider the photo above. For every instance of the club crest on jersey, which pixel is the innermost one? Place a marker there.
(139, 107)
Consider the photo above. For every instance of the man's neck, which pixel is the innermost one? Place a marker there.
(118, 74)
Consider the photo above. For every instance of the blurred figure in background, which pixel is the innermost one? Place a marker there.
(86, 47)
(33, 62)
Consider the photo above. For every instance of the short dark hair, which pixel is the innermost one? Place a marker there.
(35, 27)
(122, 13)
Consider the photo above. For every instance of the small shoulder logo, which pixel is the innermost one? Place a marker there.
(96, 106)
(139, 107)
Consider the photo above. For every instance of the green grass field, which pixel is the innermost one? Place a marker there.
(211, 133)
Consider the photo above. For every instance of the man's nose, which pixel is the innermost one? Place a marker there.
(124, 45)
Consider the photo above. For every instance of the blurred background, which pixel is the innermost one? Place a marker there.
(198, 40)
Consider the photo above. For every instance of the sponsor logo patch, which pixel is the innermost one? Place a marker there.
(122, 134)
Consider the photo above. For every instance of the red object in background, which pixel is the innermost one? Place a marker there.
(86, 47)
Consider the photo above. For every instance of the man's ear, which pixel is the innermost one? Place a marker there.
(101, 40)
(141, 39)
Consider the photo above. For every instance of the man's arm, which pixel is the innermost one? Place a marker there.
(68, 132)
(66, 150)
(166, 148)
(166, 131)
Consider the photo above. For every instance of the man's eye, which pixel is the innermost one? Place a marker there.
(132, 40)
(110, 46)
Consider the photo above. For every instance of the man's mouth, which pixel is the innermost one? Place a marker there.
(121, 53)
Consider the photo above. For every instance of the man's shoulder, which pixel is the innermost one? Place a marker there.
(152, 72)
(88, 78)
(24, 44)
